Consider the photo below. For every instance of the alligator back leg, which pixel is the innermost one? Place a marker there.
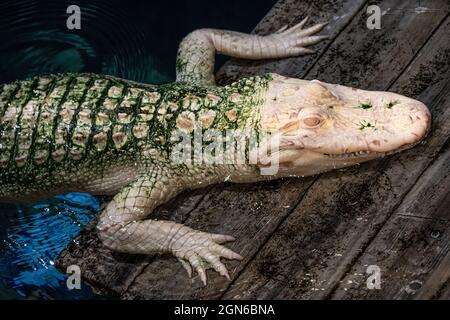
(196, 53)
(122, 226)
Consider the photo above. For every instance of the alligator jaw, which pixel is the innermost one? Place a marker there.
(368, 153)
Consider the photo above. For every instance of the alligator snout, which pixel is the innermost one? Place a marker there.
(420, 119)
(409, 124)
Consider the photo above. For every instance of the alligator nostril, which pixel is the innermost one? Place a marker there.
(417, 137)
(376, 143)
(428, 119)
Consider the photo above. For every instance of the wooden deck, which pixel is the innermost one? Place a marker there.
(313, 238)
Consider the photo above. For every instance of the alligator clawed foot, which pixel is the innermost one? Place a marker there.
(201, 251)
(295, 39)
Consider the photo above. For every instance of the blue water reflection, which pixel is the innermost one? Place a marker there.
(33, 236)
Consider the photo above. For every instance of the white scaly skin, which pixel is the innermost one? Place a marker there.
(320, 126)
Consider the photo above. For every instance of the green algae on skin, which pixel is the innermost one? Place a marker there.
(391, 104)
(365, 106)
(364, 124)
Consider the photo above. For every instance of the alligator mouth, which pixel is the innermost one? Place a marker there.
(367, 153)
(356, 154)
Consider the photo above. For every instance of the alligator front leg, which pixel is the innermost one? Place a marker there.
(196, 53)
(122, 227)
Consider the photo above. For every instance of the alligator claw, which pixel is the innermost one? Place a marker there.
(295, 39)
(201, 251)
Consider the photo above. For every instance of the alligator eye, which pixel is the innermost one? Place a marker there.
(312, 122)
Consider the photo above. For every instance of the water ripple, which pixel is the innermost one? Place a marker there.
(34, 40)
(33, 236)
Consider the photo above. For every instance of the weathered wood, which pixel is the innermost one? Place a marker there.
(317, 244)
(289, 12)
(413, 247)
(445, 292)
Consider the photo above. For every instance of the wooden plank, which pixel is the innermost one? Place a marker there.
(98, 264)
(413, 249)
(148, 285)
(317, 244)
(445, 293)
(290, 12)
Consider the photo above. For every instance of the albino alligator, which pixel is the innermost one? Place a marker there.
(104, 135)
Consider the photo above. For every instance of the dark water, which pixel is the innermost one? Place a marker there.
(135, 40)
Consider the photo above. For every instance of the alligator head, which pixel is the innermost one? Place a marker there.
(321, 126)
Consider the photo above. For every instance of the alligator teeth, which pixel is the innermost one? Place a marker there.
(351, 154)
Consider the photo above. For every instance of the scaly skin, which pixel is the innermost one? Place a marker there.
(105, 135)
